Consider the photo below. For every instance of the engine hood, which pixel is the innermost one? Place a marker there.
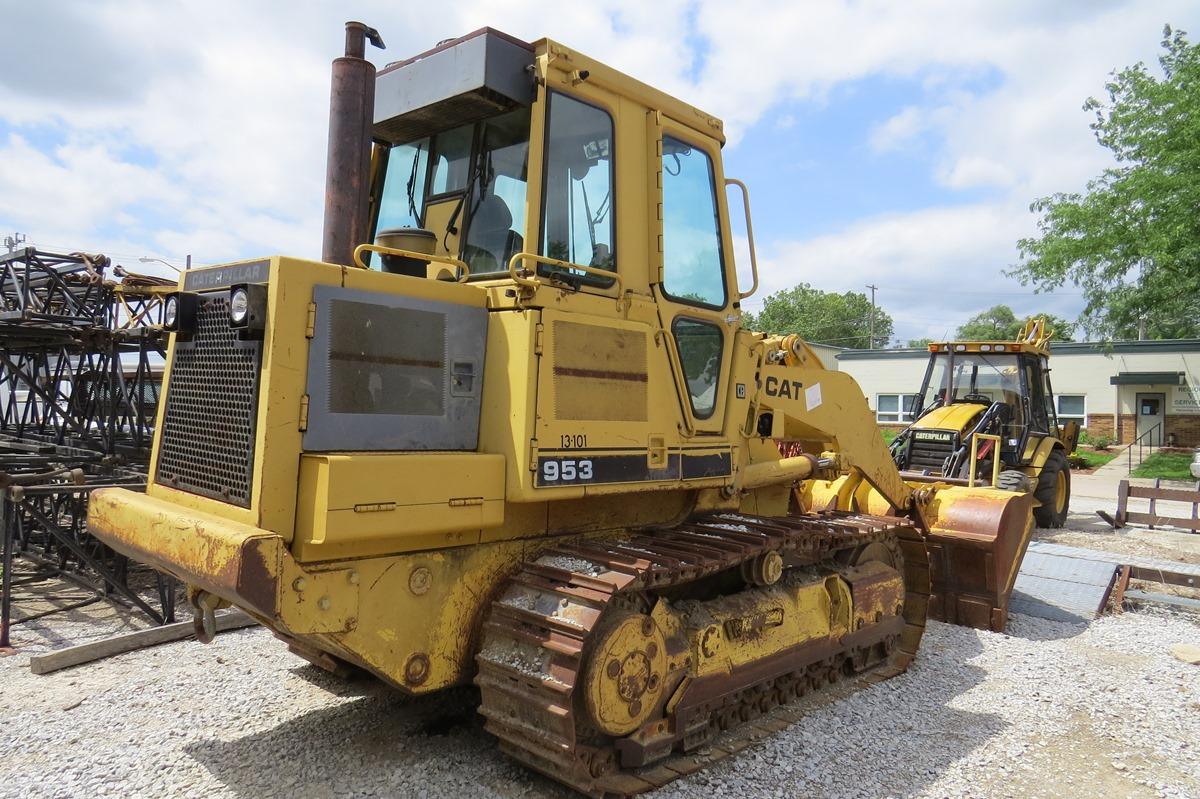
(950, 417)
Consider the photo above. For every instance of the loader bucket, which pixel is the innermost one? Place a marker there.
(977, 540)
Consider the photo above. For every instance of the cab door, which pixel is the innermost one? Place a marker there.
(692, 282)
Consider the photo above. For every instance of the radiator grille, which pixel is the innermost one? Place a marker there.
(207, 443)
(929, 455)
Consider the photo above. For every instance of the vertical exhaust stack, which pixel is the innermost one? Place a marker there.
(351, 116)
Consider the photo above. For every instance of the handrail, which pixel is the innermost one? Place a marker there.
(975, 456)
(749, 235)
(420, 256)
(541, 259)
(1149, 444)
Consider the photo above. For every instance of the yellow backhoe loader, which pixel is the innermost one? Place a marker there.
(510, 430)
(986, 413)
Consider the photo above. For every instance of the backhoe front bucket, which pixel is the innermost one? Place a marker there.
(977, 540)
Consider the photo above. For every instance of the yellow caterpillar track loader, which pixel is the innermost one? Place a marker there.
(509, 430)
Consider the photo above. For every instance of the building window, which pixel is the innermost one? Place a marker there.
(1072, 408)
(888, 407)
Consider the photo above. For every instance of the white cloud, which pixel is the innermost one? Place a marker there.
(898, 130)
(971, 171)
(214, 115)
(934, 268)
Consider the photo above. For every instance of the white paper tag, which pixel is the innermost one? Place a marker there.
(812, 396)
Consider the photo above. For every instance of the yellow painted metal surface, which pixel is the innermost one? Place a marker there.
(827, 411)
(743, 628)
(1037, 450)
(623, 685)
(377, 503)
(950, 417)
(995, 475)
(389, 560)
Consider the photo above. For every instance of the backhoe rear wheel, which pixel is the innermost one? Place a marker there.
(1053, 491)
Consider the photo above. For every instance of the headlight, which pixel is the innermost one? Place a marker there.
(239, 306)
(248, 309)
(179, 314)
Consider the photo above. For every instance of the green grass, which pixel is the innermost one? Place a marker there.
(1094, 459)
(889, 435)
(1167, 465)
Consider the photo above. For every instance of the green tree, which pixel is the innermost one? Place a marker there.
(1132, 241)
(822, 317)
(999, 323)
(919, 342)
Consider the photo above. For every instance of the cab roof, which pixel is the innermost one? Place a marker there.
(989, 346)
(488, 71)
(1033, 339)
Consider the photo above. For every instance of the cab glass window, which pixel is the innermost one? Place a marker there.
(496, 220)
(693, 271)
(451, 160)
(577, 218)
(700, 346)
(404, 186)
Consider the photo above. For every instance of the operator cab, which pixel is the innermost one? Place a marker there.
(991, 389)
(451, 166)
(460, 192)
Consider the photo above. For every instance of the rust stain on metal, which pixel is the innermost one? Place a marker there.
(600, 374)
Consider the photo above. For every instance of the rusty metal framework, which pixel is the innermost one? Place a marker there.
(81, 357)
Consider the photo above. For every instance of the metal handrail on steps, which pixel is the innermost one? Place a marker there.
(1149, 445)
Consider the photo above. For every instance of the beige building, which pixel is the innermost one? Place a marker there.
(828, 354)
(1122, 390)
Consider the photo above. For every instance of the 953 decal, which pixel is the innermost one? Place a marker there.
(564, 468)
(565, 471)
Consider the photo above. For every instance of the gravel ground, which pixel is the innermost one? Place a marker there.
(1050, 710)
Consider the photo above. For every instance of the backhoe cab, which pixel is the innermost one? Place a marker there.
(986, 414)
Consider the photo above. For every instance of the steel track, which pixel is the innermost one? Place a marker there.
(534, 653)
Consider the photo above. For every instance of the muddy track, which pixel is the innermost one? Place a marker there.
(542, 630)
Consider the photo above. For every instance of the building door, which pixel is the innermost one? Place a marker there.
(1150, 418)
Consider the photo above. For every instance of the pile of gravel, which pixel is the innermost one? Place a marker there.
(1049, 710)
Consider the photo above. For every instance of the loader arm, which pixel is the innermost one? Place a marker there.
(828, 411)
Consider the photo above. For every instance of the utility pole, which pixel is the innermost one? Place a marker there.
(14, 241)
(871, 344)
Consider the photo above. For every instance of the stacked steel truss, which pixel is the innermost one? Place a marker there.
(80, 365)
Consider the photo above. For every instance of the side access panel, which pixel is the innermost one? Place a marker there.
(608, 416)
